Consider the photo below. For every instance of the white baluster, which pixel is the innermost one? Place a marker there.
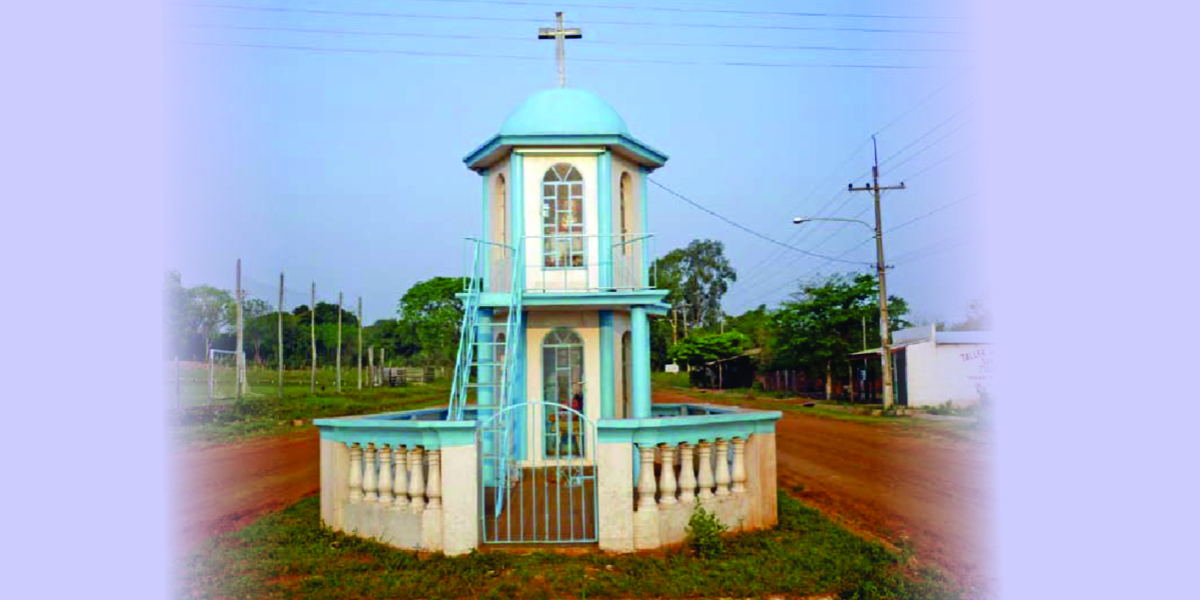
(434, 489)
(646, 478)
(706, 475)
(385, 475)
(687, 474)
(739, 465)
(722, 467)
(416, 478)
(400, 485)
(369, 485)
(356, 495)
(666, 484)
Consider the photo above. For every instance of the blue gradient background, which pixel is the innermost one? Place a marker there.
(1088, 151)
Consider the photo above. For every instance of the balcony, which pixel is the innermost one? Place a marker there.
(565, 264)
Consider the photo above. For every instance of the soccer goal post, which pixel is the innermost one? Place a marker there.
(225, 377)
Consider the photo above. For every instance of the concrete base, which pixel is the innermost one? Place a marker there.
(453, 528)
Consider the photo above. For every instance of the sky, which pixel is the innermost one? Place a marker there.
(326, 140)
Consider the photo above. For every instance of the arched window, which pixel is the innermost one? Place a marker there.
(501, 212)
(562, 217)
(626, 212)
(562, 384)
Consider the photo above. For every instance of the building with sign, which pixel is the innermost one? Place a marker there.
(934, 367)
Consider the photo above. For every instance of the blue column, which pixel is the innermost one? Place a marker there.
(640, 359)
(604, 216)
(644, 204)
(608, 403)
(484, 396)
(486, 253)
(521, 394)
(516, 207)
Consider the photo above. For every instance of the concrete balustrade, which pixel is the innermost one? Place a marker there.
(411, 479)
(401, 479)
(714, 474)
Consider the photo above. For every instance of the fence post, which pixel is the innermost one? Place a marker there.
(178, 398)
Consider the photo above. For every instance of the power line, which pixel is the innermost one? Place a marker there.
(395, 15)
(460, 36)
(932, 144)
(948, 243)
(933, 212)
(889, 124)
(860, 244)
(750, 273)
(921, 102)
(936, 163)
(743, 227)
(926, 134)
(694, 10)
(543, 58)
(838, 228)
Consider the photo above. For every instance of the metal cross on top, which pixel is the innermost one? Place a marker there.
(559, 34)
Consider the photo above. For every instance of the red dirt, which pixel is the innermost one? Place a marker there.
(225, 487)
(887, 483)
(876, 480)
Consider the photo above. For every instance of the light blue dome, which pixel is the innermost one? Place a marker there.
(564, 111)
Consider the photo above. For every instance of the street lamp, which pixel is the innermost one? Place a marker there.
(884, 329)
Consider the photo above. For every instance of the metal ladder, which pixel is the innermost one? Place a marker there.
(475, 336)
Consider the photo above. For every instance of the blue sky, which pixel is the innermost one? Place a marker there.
(345, 167)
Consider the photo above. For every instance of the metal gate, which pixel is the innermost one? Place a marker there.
(537, 475)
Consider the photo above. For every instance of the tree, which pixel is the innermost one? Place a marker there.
(175, 314)
(697, 277)
(979, 317)
(434, 313)
(824, 323)
(398, 339)
(699, 350)
(755, 324)
(257, 327)
(210, 311)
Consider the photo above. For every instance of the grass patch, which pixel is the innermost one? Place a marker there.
(963, 431)
(288, 554)
(669, 380)
(264, 413)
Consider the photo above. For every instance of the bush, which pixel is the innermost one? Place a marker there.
(704, 531)
(945, 408)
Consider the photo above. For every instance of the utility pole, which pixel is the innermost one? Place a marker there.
(884, 332)
(241, 357)
(312, 336)
(280, 332)
(360, 328)
(339, 348)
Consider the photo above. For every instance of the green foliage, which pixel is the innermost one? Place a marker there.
(825, 322)
(697, 277)
(945, 408)
(704, 534)
(210, 311)
(289, 554)
(434, 314)
(265, 413)
(755, 324)
(700, 349)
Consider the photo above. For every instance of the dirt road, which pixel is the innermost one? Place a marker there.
(223, 488)
(878, 481)
(931, 488)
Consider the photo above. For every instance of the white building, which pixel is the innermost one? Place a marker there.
(933, 367)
